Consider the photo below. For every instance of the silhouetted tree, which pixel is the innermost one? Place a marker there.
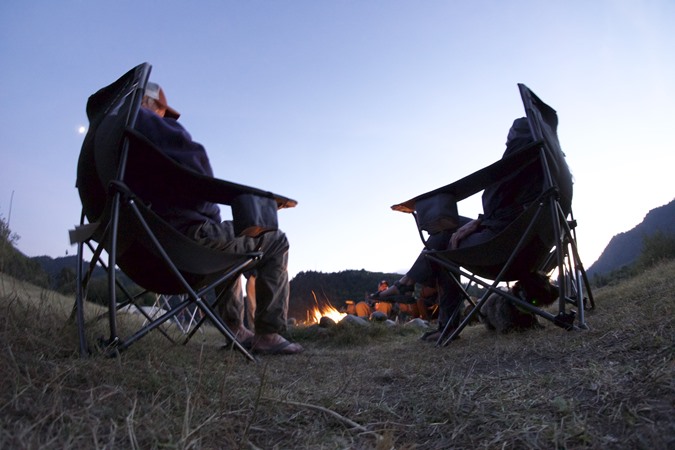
(657, 247)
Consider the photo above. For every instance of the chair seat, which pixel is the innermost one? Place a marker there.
(143, 263)
(487, 259)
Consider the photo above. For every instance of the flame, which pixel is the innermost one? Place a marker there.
(317, 313)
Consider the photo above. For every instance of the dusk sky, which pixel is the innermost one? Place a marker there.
(347, 106)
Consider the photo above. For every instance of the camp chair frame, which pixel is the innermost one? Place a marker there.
(117, 222)
(522, 247)
(185, 319)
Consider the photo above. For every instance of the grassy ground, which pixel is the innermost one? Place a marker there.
(376, 388)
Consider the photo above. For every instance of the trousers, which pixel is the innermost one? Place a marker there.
(425, 272)
(271, 280)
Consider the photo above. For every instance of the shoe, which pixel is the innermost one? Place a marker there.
(431, 336)
(242, 333)
(247, 343)
(434, 335)
(280, 347)
(284, 348)
(244, 336)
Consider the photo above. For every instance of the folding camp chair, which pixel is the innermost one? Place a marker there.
(115, 162)
(541, 240)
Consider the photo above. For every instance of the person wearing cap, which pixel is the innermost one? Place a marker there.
(202, 222)
(502, 203)
(385, 308)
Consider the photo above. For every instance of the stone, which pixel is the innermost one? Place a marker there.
(326, 322)
(350, 319)
(417, 323)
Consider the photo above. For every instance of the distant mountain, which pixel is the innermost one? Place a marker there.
(55, 265)
(624, 248)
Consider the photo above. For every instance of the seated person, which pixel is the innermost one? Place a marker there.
(363, 309)
(427, 304)
(407, 311)
(201, 221)
(385, 308)
(503, 202)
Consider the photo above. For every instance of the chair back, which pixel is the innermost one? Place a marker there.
(543, 122)
(487, 259)
(110, 111)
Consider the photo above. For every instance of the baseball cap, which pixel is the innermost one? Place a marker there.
(155, 92)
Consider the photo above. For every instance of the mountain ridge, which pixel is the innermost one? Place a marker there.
(624, 248)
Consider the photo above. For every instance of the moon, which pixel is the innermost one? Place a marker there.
(82, 129)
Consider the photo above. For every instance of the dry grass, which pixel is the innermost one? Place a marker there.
(609, 387)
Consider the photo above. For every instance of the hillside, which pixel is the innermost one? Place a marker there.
(609, 387)
(624, 248)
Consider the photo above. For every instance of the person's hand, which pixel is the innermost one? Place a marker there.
(463, 232)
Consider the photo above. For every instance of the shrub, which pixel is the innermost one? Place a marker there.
(14, 263)
(656, 247)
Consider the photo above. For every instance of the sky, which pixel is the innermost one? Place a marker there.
(347, 106)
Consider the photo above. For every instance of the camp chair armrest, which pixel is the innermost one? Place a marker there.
(208, 188)
(478, 181)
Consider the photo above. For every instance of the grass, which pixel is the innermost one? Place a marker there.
(358, 388)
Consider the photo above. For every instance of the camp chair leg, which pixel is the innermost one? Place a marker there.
(218, 323)
(112, 263)
(581, 301)
(79, 305)
(120, 345)
(456, 312)
(443, 341)
(577, 275)
(451, 320)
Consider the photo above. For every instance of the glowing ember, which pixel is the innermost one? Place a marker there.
(326, 311)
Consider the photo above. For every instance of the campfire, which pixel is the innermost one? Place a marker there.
(327, 310)
(315, 315)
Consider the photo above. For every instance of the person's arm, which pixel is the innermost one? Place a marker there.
(463, 232)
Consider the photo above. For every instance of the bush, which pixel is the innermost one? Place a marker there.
(656, 248)
(7, 241)
(14, 263)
